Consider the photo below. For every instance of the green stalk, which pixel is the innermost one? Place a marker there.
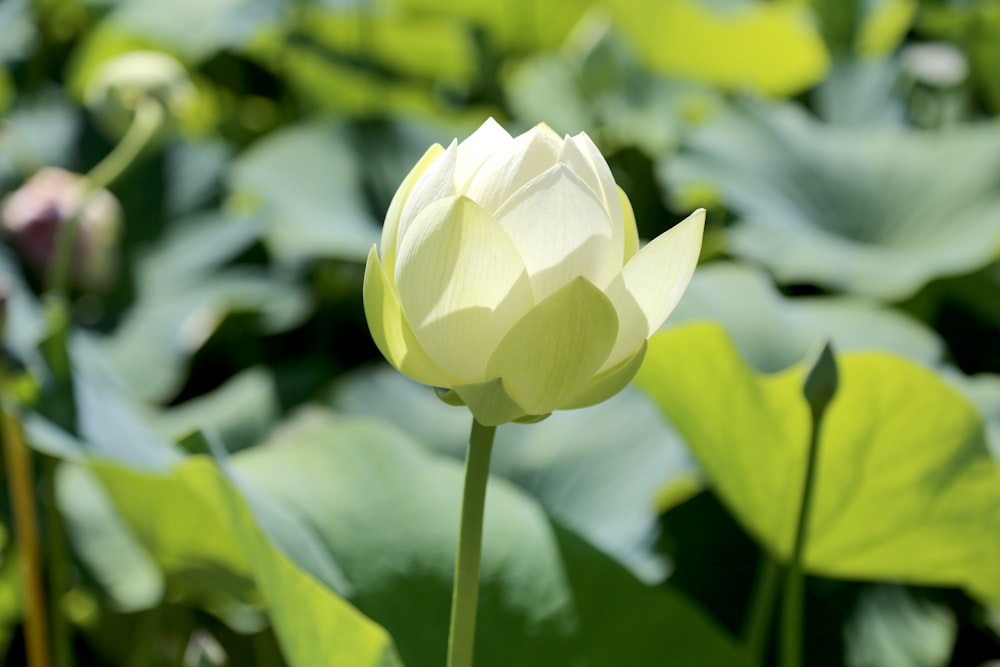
(465, 594)
(57, 558)
(765, 594)
(146, 122)
(791, 615)
(21, 481)
(819, 388)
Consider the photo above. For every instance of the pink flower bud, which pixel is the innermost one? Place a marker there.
(34, 214)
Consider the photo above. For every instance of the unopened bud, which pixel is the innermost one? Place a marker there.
(117, 88)
(35, 214)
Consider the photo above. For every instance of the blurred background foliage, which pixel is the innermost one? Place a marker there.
(241, 482)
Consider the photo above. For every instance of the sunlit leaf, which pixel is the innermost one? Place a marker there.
(208, 543)
(906, 489)
(884, 26)
(769, 47)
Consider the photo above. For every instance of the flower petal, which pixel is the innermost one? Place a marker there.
(555, 350)
(652, 283)
(509, 169)
(391, 331)
(586, 161)
(391, 225)
(490, 138)
(631, 232)
(609, 382)
(562, 231)
(489, 403)
(461, 284)
(437, 182)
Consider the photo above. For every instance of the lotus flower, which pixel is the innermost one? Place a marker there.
(511, 278)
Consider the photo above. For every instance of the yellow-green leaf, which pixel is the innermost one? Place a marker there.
(770, 47)
(906, 489)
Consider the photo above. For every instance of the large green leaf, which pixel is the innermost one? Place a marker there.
(595, 470)
(208, 543)
(364, 499)
(387, 510)
(772, 48)
(302, 183)
(773, 331)
(906, 489)
(874, 211)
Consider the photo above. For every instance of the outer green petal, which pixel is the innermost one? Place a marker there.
(555, 350)
(652, 283)
(391, 225)
(448, 397)
(608, 383)
(462, 285)
(490, 403)
(391, 331)
(659, 273)
(631, 232)
(437, 182)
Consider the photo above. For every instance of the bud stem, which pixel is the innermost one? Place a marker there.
(148, 118)
(465, 593)
(819, 388)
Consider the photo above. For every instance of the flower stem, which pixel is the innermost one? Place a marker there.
(792, 604)
(465, 593)
(21, 482)
(146, 122)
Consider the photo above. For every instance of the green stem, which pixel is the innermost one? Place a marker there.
(21, 481)
(792, 606)
(762, 608)
(465, 594)
(57, 563)
(146, 122)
